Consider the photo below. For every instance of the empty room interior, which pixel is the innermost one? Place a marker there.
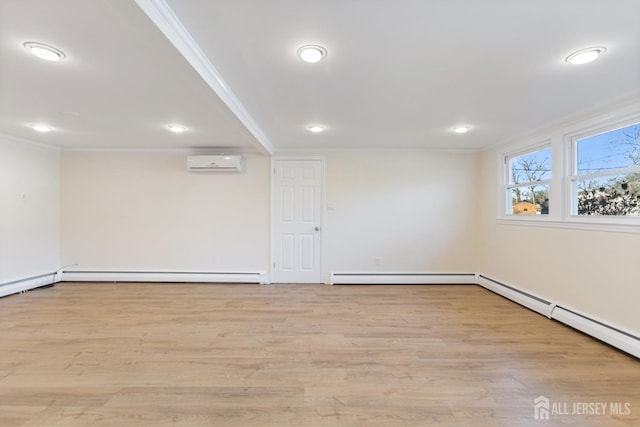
(319, 213)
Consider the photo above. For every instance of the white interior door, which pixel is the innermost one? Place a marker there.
(296, 221)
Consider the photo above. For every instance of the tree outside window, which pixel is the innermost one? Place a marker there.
(607, 173)
(529, 183)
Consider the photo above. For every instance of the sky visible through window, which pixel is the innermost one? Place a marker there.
(604, 184)
(608, 151)
(531, 167)
(607, 192)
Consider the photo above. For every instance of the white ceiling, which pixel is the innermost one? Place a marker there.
(120, 85)
(399, 74)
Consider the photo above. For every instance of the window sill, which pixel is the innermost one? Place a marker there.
(612, 225)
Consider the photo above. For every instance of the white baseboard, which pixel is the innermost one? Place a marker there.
(526, 299)
(164, 276)
(27, 284)
(369, 278)
(612, 335)
(616, 337)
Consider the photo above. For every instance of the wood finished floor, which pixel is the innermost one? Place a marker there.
(127, 354)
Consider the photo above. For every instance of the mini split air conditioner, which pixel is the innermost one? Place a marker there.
(223, 162)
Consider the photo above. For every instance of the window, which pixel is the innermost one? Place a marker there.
(528, 182)
(582, 175)
(606, 173)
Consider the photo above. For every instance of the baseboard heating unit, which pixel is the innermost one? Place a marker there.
(163, 276)
(616, 337)
(526, 299)
(367, 278)
(625, 341)
(28, 283)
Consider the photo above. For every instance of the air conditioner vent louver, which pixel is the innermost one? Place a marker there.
(229, 163)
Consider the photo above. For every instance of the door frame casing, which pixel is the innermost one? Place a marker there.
(272, 234)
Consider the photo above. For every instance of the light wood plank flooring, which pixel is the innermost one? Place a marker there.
(82, 354)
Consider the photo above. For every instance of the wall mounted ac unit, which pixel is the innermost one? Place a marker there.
(232, 163)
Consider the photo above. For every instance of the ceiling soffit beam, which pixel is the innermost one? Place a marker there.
(164, 18)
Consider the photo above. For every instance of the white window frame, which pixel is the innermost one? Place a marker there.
(563, 141)
(506, 186)
(571, 140)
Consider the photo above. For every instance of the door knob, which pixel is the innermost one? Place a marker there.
(316, 228)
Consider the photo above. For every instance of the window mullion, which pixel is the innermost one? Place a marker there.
(625, 171)
(529, 184)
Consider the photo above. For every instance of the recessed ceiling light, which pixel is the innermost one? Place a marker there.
(316, 128)
(42, 51)
(585, 56)
(39, 127)
(176, 128)
(312, 53)
(461, 129)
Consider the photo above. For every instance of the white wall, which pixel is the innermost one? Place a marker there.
(593, 272)
(412, 210)
(144, 211)
(29, 209)
(139, 211)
